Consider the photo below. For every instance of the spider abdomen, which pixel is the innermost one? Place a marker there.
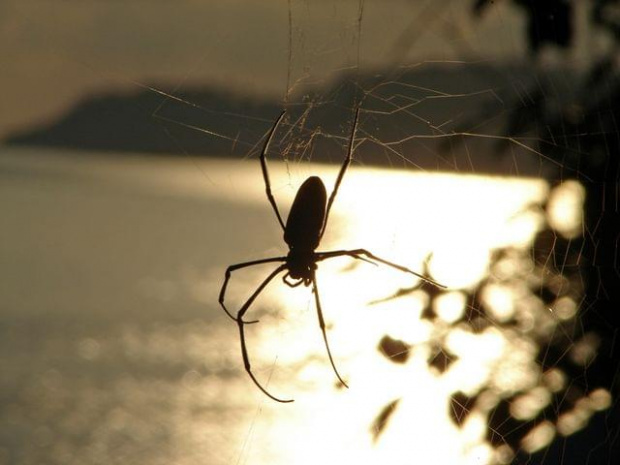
(307, 215)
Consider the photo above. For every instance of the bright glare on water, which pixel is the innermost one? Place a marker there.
(113, 347)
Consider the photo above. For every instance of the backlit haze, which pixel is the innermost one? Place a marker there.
(57, 52)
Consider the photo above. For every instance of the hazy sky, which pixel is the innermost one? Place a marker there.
(55, 51)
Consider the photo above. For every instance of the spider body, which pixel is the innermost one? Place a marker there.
(303, 231)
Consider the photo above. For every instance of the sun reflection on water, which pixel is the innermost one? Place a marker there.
(436, 376)
(427, 369)
(452, 228)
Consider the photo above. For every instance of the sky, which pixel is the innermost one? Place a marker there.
(55, 52)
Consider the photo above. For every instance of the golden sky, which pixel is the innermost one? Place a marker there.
(55, 52)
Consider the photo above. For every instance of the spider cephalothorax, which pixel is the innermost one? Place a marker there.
(303, 231)
(301, 266)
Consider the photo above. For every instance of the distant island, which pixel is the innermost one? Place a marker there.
(147, 121)
(419, 110)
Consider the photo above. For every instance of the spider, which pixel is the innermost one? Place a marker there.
(303, 231)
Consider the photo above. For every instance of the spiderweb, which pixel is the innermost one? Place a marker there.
(546, 303)
(459, 100)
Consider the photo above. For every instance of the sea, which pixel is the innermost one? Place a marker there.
(115, 350)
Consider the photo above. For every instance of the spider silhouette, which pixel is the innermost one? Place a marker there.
(303, 231)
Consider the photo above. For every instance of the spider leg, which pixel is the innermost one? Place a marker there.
(319, 311)
(343, 169)
(241, 324)
(238, 266)
(263, 164)
(360, 253)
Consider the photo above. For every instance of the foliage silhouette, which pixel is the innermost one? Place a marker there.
(583, 136)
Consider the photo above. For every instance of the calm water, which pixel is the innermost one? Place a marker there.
(113, 349)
